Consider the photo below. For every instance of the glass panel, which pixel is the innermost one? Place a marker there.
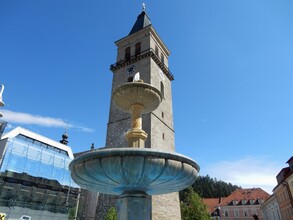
(34, 153)
(46, 157)
(45, 170)
(19, 149)
(59, 161)
(58, 174)
(32, 167)
(16, 163)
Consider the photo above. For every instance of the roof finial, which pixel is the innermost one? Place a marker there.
(143, 6)
(93, 147)
(64, 138)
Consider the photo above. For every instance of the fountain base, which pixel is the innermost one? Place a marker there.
(133, 206)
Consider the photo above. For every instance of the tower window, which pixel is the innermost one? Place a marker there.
(156, 50)
(127, 53)
(162, 114)
(162, 58)
(137, 48)
(162, 89)
(163, 136)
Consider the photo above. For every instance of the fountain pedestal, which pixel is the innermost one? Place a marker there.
(136, 205)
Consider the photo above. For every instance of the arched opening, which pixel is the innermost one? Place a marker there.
(127, 53)
(137, 48)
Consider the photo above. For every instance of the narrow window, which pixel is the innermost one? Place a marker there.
(162, 90)
(156, 50)
(245, 213)
(162, 58)
(162, 114)
(163, 136)
(130, 79)
(137, 48)
(127, 53)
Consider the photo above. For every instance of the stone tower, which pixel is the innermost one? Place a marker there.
(143, 51)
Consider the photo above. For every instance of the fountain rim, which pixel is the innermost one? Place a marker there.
(138, 84)
(130, 85)
(127, 151)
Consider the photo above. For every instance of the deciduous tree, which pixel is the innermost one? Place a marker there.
(192, 207)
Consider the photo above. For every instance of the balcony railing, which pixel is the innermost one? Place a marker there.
(143, 54)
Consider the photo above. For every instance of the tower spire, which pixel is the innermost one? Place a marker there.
(142, 21)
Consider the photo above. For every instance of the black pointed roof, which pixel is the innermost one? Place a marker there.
(142, 21)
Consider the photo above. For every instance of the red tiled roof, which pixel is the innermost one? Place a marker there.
(247, 194)
(211, 203)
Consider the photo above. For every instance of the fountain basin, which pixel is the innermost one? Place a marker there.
(137, 93)
(119, 170)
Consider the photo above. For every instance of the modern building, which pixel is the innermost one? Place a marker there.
(35, 181)
(270, 209)
(283, 191)
(243, 204)
(143, 51)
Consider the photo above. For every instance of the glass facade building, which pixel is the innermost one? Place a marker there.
(35, 181)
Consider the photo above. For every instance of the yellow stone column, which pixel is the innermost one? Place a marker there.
(136, 136)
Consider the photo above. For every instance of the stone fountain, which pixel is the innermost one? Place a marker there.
(134, 172)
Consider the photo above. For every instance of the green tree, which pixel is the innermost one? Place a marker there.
(111, 214)
(207, 187)
(192, 207)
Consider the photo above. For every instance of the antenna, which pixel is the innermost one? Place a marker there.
(1, 92)
(1, 102)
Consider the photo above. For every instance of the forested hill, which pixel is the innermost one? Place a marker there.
(207, 187)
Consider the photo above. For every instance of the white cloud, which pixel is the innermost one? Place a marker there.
(26, 118)
(247, 172)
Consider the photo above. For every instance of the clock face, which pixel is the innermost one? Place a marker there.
(130, 69)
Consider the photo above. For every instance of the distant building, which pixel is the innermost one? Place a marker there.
(243, 204)
(283, 191)
(213, 205)
(34, 178)
(270, 209)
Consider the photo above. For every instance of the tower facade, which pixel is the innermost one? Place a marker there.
(143, 51)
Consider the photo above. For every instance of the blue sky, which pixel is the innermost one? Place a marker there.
(232, 61)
